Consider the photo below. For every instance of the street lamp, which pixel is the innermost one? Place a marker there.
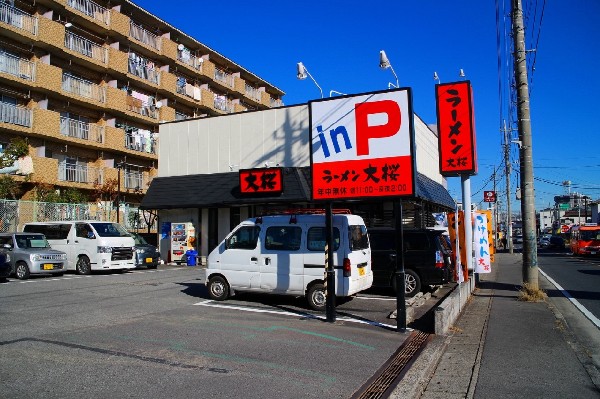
(302, 72)
(436, 77)
(384, 63)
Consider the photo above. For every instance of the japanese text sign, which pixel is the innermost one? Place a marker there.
(261, 181)
(456, 129)
(481, 244)
(362, 146)
(489, 196)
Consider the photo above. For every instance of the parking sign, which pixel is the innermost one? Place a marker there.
(362, 146)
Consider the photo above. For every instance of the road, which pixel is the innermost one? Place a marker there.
(155, 334)
(575, 295)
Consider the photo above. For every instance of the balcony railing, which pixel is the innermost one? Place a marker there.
(17, 66)
(190, 59)
(142, 108)
(91, 9)
(142, 141)
(79, 173)
(86, 47)
(253, 93)
(83, 88)
(18, 19)
(223, 104)
(135, 180)
(144, 36)
(224, 77)
(15, 115)
(81, 130)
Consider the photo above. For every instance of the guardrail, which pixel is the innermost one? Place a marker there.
(86, 47)
(83, 88)
(19, 19)
(15, 115)
(91, 9)
(16, 66)
(144, 36)
(81, 130)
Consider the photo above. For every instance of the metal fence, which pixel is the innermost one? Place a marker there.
(84, 88)
(144, 36)
(15, 213)
(86, 47)
(17, 18)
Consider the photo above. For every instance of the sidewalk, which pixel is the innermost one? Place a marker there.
(501, 348)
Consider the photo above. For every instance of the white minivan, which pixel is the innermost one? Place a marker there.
(285, 254)
(89, 244)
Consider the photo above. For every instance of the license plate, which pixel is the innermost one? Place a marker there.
(361, 271)
(48, 266)
(148, 260)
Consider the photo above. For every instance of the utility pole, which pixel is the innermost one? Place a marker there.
(530, 264)
(507, 172)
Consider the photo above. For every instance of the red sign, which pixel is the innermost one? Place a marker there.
(456, 128)
(362, 146)
(489, 196)
(261, 181)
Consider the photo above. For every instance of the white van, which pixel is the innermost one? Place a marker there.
(89, 244)
(285, 254)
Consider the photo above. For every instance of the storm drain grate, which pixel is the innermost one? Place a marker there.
(377, 385)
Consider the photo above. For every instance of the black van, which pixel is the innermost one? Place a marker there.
(427, 258)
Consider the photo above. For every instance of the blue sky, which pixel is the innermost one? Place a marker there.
(339, 43)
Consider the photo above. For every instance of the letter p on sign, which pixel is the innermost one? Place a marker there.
(364, 131)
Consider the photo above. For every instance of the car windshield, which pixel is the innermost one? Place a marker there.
(31, 241)
(110, 230)
(139, 240)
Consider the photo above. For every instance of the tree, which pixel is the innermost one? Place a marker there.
(17, 148)
(9, 187)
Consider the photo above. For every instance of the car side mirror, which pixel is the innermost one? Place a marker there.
(7, 246)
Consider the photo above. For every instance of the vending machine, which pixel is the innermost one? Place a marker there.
(183, 237)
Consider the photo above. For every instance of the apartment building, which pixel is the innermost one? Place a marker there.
(88, 83)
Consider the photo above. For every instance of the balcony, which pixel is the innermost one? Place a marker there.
(135, 181)
(144, 36)
(142, 141)
(91, 9)
(15, 115)
(143, 68)
(187, 89)
(223, 104)
(79, 173)
(16, 66)
(81, 130)
(253, 93)
(83, 88)
(275, 102)
(18, 19)
(185, 56)
(86, 47)
(224, 77)
(140, 107)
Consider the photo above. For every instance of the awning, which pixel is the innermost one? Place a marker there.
(223, 190)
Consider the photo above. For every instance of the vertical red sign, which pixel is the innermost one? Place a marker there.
(456, 129)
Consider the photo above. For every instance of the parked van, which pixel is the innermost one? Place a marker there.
(427, 258)
(89, 244)
(285, 254)
(30, 253)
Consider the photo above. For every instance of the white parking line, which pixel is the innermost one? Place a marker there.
(574, 301)
(212, 304)
(42, 280)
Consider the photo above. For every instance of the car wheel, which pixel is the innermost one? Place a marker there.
(412, 283)
(22, 271)
(218, 289)
(83, 265)
(316, 297)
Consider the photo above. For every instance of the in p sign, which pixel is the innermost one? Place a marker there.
(362, 146)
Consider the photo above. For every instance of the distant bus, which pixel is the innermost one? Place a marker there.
(585, 240)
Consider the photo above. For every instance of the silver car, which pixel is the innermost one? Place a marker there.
(30, 253)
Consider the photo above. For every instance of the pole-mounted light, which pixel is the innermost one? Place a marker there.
(384, 63)
(436, 77)
(301, 74)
